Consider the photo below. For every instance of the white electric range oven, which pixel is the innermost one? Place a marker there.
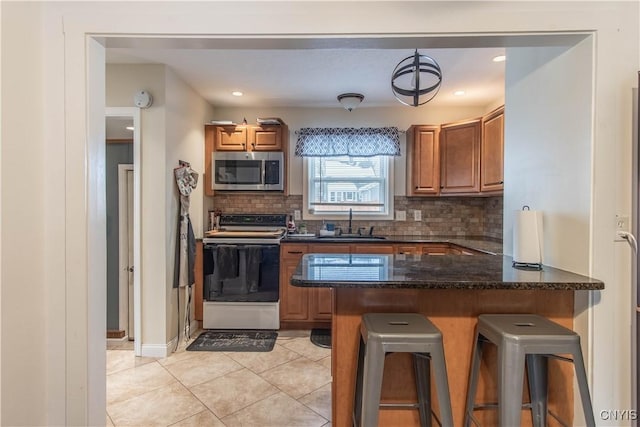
(241, 268)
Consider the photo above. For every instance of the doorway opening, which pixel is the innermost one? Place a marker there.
(123, 223)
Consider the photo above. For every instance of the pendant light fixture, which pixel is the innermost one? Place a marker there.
(416, 79)
(350, 100)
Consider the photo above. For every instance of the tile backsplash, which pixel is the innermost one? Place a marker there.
(443, 216)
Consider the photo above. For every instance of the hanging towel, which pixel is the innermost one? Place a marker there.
(184, 274)
(226, 261)
(254, 258)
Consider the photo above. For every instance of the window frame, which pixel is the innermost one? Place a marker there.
(389, 215)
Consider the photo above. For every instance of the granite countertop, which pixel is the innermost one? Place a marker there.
(482, 244)
(471, 272)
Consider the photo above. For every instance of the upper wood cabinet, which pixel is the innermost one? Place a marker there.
(423, 161)
(248, 138)
(241, 138)
(460, 157)
(492, 152)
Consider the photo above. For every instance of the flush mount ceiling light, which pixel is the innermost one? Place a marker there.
(237, 93)
(499, 58)
(350, 100)
(416, 79)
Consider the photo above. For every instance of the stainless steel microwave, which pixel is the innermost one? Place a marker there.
(248, 171)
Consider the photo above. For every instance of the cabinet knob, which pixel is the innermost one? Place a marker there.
(417, 187)
(501, 182)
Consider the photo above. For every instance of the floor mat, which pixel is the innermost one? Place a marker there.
(245, 340)
(321, 337)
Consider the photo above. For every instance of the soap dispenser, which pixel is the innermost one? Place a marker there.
(291, 225)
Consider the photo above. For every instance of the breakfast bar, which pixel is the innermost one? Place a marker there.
(451, 290)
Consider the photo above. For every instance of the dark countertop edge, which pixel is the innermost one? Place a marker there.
(469, 286)
(477, 243)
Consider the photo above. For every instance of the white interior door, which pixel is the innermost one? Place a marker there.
(125, 249)
(135, 328)
(130, 269)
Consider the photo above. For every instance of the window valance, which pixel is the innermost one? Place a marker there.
(361, 142)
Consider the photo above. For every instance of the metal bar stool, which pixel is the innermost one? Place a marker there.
(520, 338)
(382, 333)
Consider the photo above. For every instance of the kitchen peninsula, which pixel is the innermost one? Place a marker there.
(452, 290)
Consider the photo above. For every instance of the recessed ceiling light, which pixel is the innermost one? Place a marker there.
(129, 128)
(499, 58)
(237, 93)
(458, 93)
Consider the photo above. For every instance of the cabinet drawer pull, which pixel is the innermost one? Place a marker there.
(295, 252)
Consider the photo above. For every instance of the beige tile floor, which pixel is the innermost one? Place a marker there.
(289, 386)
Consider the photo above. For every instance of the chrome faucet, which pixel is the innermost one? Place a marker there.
(350, 218)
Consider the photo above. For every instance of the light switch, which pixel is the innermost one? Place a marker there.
(401, 215)
(296, 215)
(417, 215)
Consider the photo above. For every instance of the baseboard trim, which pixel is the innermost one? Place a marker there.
(118, 340)
(158, 350)
(164, 350)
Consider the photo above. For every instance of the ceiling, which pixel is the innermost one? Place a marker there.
(116, 128)
(314, 77)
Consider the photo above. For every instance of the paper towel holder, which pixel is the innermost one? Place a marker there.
(526, 265)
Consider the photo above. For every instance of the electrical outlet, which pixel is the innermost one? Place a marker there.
(296, 215)
(417, 215)
(401, 215)
(622, 224)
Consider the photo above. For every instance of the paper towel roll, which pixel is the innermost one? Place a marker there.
(527, 237)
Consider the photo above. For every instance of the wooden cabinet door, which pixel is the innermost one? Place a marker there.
(407, 249)
(435, 249)
(230, 138)
(265, 138)
(320, 304)
(209, 144)
(371, 248)
(492, 152)
(294, 301)
(460, 157)
(330, 248)
(423, 161)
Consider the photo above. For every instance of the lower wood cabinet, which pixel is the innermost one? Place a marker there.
(294, 301)
(423, 249)
(304, 308)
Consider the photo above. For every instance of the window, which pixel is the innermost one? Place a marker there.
(348, 169)
(337, 184)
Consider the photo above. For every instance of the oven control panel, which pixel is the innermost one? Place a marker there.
(249, 220)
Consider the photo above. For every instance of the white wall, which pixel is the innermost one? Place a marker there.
(123, 81)
(186, 113)
(172, 130)
(548, 150)
(24, 312)
(63, 99)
